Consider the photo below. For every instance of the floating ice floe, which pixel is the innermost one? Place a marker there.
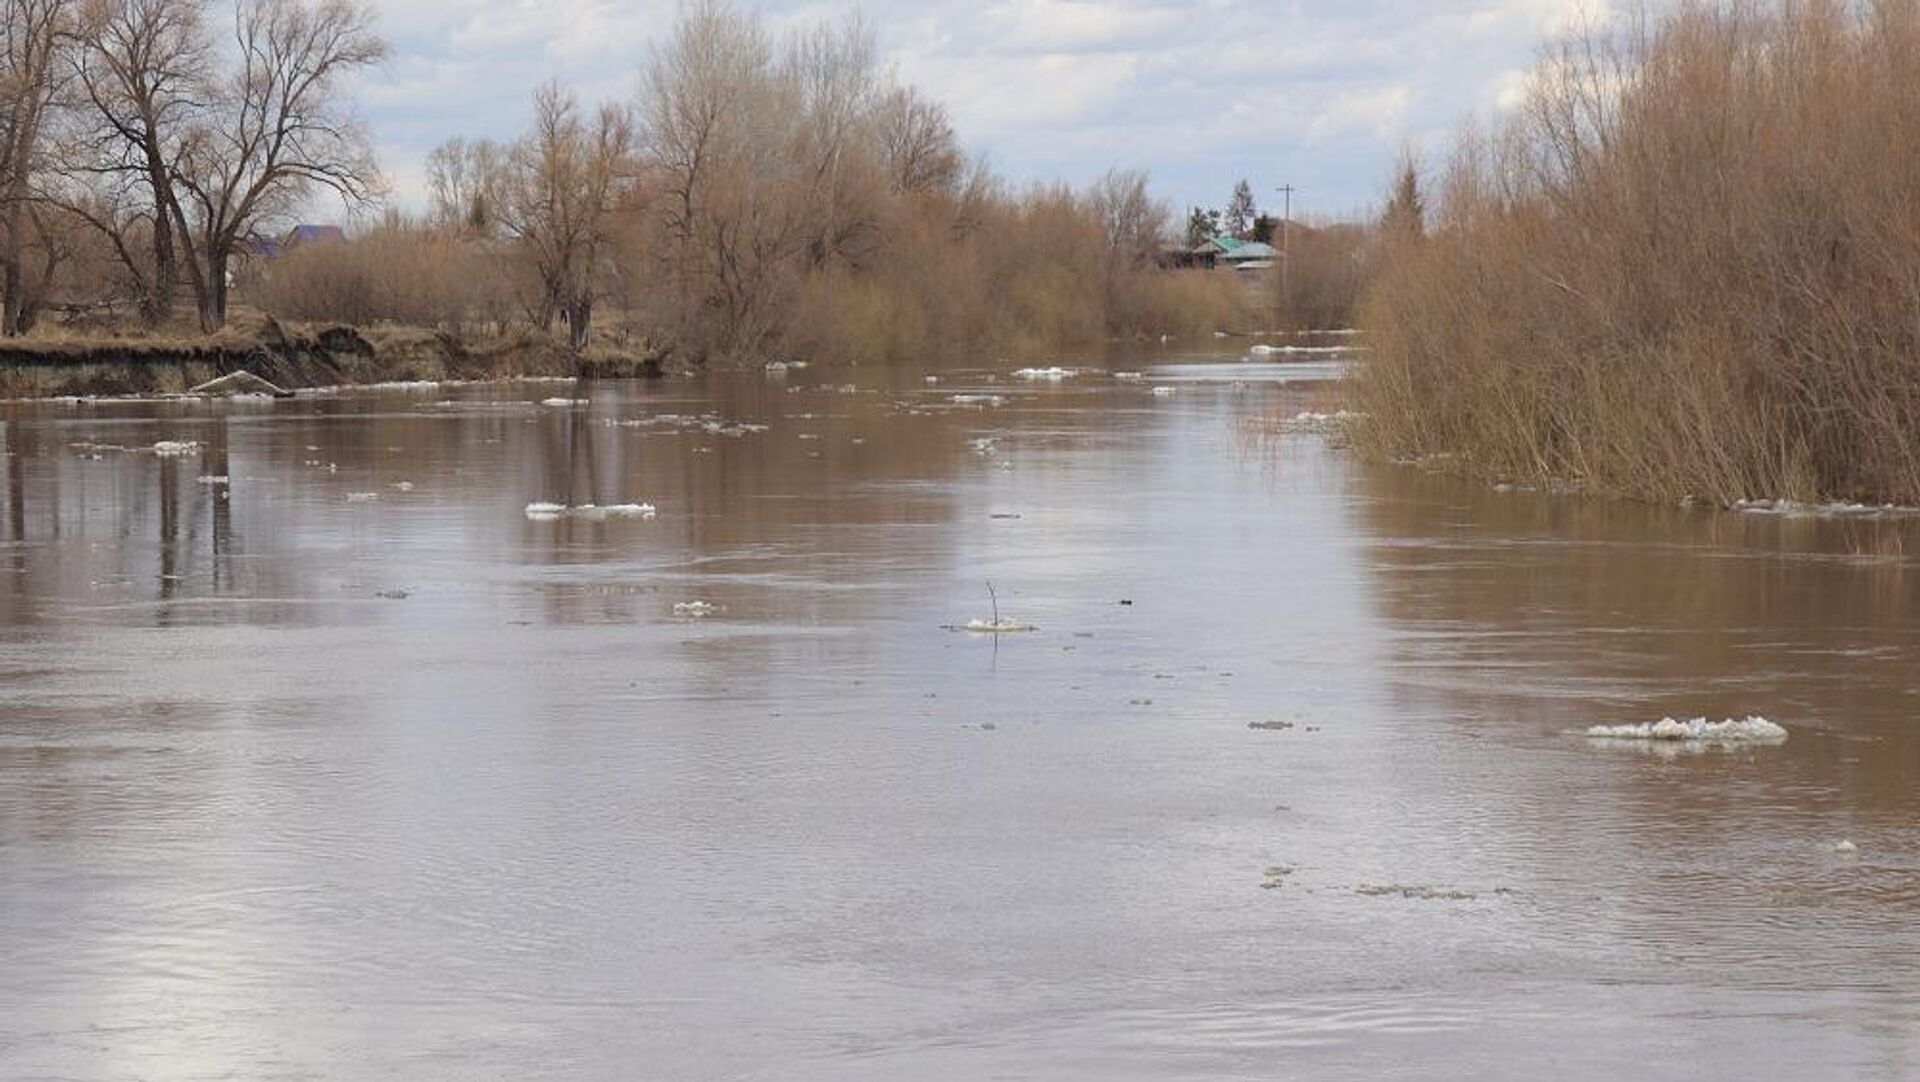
(1750, 730)
(1163, 391)
(549, 512)
(1051, 375)
(404, 385)
(695, 609)
(176, 448)
(977, 400)
(1129, 376)
(1796, 509)
(1310, 421)
(997, 627)
(782, 367)
(1268, 351)
(982, 446)
(210, 479)
(1846, 846)
(362, 497)
(563, 403)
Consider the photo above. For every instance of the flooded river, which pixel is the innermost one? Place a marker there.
(322, 758)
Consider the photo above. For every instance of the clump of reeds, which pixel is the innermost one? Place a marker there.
(1688, 266)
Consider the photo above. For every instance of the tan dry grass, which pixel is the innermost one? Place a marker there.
(1689, 268)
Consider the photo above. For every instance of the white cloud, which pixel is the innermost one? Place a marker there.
(1320, 93)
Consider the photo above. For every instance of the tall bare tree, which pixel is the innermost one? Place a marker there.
(563, 188)
(465, 178)
(917, 144)
(32, 35)
(279, 130)
(143, 73)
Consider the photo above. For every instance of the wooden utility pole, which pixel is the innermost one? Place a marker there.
(1286, 249)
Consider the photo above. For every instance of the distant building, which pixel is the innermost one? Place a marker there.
(312, 234)
(1251, 256)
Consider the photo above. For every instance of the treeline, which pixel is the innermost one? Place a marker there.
(762, 194)
(1688, 267)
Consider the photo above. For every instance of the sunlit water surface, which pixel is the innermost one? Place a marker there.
(345, 768)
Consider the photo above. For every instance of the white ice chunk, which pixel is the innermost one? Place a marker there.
(176, 448)
(1750, 730)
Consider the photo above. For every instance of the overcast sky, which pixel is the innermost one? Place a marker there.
(1320, 94)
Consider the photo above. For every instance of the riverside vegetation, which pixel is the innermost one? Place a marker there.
(1688, 266)
(762, 196)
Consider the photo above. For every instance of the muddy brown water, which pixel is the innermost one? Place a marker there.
(345, 768)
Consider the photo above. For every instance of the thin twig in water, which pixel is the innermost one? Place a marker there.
(994, 599)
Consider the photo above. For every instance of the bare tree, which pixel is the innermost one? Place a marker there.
(562, 190)
(464, 182)
(142, 74)
(917, 145)
(32, 34)
(829, 82)
(278, 131)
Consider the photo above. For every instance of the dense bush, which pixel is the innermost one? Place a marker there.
(1688, 267)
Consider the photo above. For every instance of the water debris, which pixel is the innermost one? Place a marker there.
(1417, 893)
(1129, 376)
(997, 625)
(931, 380)
(1271, 725)
(238, 383)
(550, 512)
(781, 368)
(1052, 375)
(402, 486)
(1163, 391)
(393, 595)
(563, 403)
(694, 609)
(977, 400)
(1749, 730)
(1276, 877)
(176, 448)
(362, 497)
(1846, 846)
(982, 446)
(212, 479)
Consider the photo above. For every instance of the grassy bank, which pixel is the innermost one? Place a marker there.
(294, 358)
(1688, 266)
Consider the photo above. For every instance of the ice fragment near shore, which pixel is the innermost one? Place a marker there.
(1750, 730)
(694, 609)
(549, 512)
(176, 448)
(1053, 375)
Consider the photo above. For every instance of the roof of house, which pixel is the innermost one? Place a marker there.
(307, 234)
(1219, 245)
(1252, 250)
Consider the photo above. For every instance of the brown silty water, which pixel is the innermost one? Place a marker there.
(346, 766)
